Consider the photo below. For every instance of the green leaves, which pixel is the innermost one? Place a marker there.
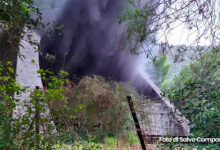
(161, 70)
(137, 25)
(8, 86)
(25, 10)
(198, 96)
(11, 136)
(10, 9)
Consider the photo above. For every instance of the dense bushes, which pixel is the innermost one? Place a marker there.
(205, 68)
(7, 105)
(196, 94)
(31, 127)
(94, 110)
(97, 105)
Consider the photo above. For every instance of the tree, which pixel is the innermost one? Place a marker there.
(196, 94)
(14, 15)
(162, 68)
(160, 71)
(148, 22)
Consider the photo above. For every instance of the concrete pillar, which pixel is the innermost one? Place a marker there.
(26, 73)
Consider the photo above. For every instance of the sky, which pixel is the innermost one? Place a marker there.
(182, 35)
(179, 35)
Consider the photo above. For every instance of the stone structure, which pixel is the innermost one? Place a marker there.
(26, 72)
(162, 118)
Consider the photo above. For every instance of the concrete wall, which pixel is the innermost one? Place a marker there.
(26, 74)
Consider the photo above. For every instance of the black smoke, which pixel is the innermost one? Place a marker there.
(89, 40)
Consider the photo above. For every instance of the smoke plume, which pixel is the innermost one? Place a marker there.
(89, 40)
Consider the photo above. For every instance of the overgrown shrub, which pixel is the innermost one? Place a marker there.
(31, 129)
(8, 86)
(97, 105)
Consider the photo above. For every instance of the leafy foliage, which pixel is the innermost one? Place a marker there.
(24, 130)
(161, 69)
(137, 26)
(15, 15)
(197, 96)
(17, 12)
(96, 105)
(8, 85)
(204, 68)
(159, 73)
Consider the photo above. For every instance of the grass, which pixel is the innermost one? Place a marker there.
(110, 143)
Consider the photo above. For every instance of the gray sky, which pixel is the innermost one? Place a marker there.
(182, 35)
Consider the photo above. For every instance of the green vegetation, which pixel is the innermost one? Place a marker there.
(92, 114)
(14, 15)
(96, 109)
(137, 28)
(102, 103)
(23, 130)
(161, 69)
(7, 86)
(196, 95)
(204, 68)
